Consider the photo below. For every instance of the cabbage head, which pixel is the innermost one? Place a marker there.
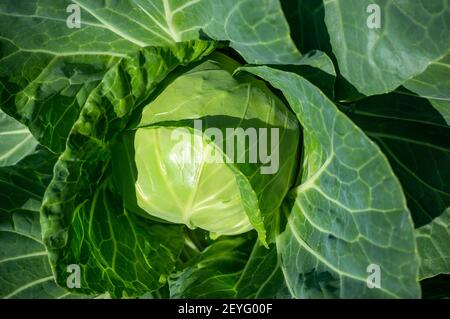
(213, 150)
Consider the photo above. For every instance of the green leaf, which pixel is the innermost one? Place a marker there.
(349, 212)
(50, 103)
(434, 85)
(443, 107)
(214, 273)
(255, 28)
(377, 60)
(434, 82)
(48, 94)
(117, 252)
(46, 75)
(230, 268)
(53, 37)
(85, 164)
(16, 141)
(318, 60)
(262, 276)
(432, 243)
(23, 185)
(410, 132)
(24, 268)
(316, 67)
(307, 22)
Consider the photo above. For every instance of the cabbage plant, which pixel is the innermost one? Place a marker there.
(224, 149)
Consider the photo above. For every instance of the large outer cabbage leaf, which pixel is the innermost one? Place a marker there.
(411, 44)
(24, 268)
(349, 211)
(255, 28)
(432, 242)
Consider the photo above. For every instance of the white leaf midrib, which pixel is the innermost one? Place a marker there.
(29, 285)
(24, 256)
